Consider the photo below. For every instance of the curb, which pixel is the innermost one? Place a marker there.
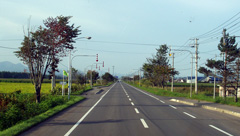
(237, 114)
(184, 102)
(233, 113)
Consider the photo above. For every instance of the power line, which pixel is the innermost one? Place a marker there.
(208, 40)
(128, 43)
(8, 48)
(113, 51)
(182, 59)
(7, 40)
(217, 28)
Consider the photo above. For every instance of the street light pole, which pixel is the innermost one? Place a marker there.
(191, 69)
(172, 69)
(70, 68)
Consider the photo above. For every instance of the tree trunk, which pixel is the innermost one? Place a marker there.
(38, 95)
(53, 81)
(236, 94)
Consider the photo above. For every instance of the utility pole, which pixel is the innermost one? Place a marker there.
(113, 74)
(196, 69)
(191, 77)
(139, 77)
(69, 78)
(214, 89)
(225, 65)
(172, 69)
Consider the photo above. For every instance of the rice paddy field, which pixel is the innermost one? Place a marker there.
(9, 87)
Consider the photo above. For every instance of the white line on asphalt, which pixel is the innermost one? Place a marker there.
(173, 107)
(221, 130)
(162, 101)
(189, 114)
(127, 96)
(130, 99)
(132, 103)
(136, 110)
(144, 123)
(85, 115)
(145, 93)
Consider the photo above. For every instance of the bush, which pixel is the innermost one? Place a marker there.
(12, 116)
(23, 106)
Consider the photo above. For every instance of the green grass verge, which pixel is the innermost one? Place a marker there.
(200, 96)
(20, 127)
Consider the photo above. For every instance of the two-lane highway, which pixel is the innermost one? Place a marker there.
(126, 110)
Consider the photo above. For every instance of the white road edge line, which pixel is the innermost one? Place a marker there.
(132, 103)
(130, 99)
(85, 115)
(146, 93)
(221, 130)
(144, 123)
(173, 107)
(189, 114)
(136, 110)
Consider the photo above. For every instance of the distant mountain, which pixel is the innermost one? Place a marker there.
(11, 67)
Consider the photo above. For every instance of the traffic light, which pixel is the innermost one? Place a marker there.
(97, 58)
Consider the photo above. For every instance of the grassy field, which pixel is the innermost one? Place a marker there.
(8, 87)
(14, 80)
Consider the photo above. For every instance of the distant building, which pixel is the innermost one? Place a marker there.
(180, 80)
(229, 91)
(193, 79)
(208, 79)
(211, 80)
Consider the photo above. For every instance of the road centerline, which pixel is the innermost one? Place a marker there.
(144, 123)
(136, 110)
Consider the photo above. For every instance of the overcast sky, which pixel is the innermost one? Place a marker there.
(124, 33)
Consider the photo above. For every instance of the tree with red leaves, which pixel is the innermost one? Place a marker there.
(41, 50)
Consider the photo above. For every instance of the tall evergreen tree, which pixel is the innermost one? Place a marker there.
(157, 69)
(228, 48)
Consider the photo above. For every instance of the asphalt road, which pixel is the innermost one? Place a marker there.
(126, 111)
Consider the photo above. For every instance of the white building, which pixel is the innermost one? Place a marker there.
(193, 79)
(229, 92)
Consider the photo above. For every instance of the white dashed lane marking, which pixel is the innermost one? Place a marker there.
(189, 114)
(173, 107)
(144, 123)
(136, 110)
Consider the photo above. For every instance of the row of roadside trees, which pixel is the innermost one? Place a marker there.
(81, 78)
(158, 71)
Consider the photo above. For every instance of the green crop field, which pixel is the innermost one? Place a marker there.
(6, 87)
